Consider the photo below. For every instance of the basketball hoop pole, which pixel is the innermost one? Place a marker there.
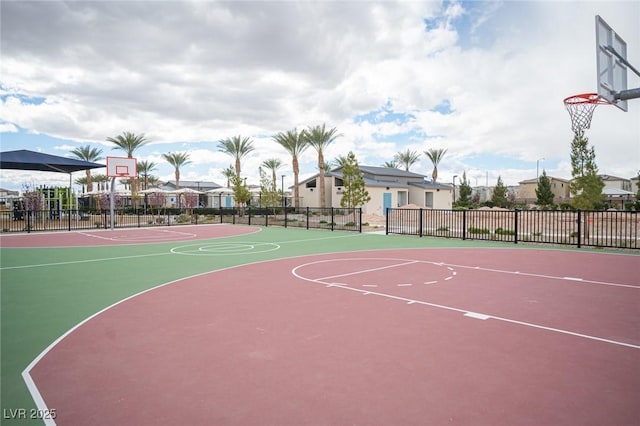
(111, 202)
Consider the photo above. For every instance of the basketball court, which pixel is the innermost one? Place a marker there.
(288, 326)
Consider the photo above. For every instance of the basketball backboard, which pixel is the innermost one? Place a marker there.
(122, 167)
(611, 52)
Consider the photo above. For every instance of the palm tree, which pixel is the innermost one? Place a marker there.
(390, 164)
(144, 169)
(237, 147)
(130, 142)
(228, 173)
(435, 155)
(81, 181)
(339, 161)
(320, 138)
(272, 164)
(407, 158)
(177, 160)
(295, 143)
(87, 153)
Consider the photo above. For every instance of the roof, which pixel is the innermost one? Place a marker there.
(388, 171)
(535, 180)
(202, 186)
(616, 191)
(609, 177)
(31, 160)
(431, 185)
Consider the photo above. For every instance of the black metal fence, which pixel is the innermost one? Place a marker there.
(70, 220)
(616, 229)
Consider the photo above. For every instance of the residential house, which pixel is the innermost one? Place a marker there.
(617, 190)
(527, 190)
(387, 187)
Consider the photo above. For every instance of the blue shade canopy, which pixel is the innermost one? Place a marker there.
(30, 160)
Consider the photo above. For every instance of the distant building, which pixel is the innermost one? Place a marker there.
(387, 187)
(527, 190)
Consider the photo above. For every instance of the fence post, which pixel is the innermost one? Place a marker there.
(220, 208)
(515, 227)
(307, 217)
(464, 224)
(249, 215)
(138, 214)
(386, 222)
(420, 223)
(266, 217)
(285, 216)
(332, 218)
(579, 220)
(360, 219)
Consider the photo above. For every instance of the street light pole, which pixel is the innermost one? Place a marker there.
(284, 204)
(454, 187)
(538, 168)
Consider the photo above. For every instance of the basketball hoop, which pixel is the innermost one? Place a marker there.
(581, 108)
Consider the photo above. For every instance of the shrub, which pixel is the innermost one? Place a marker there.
(501, 231)
(473, 230)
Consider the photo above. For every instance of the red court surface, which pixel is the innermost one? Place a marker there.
(121, 236)
(396, 337)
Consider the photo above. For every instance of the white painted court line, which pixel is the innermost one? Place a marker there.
(364, 271)
(476, 315)
(572, 279)
(552, 277)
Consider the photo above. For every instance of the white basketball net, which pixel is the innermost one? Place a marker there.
(581, 109)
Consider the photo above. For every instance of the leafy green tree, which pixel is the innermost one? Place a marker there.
(435, 155)
(464, 198)
(499, 197)
(320, 138)
(88, 153)
(130, 143)
(241, 193)
(237, 147)
(406, 158)
(295, 143)
(586, 186)
(177, 160)
(354, 193)
(269, 195)
(544, 193)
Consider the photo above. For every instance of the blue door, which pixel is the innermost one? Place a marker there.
(386, 201)
(227, 201)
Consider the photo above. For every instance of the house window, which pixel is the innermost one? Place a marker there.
(311, 184)
(338, 181)
(428, 199)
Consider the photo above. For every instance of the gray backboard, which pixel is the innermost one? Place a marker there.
(612, 72)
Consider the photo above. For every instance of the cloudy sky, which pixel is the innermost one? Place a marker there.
(484, 80)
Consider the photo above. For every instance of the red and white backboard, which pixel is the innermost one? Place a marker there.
(123, 167)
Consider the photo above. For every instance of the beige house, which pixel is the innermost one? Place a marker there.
(617, 190)
(387, 187)
(527, 190)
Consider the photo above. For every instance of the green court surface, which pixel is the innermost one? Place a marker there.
(47, 291)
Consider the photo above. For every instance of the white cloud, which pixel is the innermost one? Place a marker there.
(189, 74)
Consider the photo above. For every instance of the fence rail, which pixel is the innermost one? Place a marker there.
(615, 229)
(70, 220)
